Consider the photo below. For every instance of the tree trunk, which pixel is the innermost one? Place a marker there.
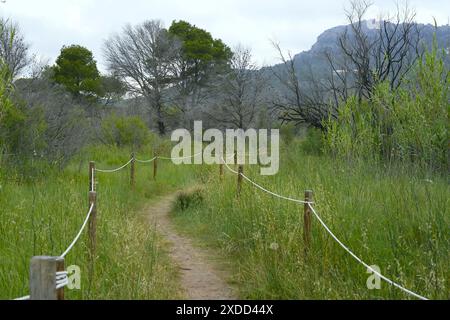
(161, 124)
(161, 128)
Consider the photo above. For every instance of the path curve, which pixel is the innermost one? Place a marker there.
(200, 278)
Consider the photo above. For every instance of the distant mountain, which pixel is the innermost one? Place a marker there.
(314, 59)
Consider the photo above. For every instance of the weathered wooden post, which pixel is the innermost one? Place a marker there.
(43, 278)
(92, 234)
(92, 228)
(309, 196)
(60, 267)
(240, 178)
(132, 170)
(222, 160)
(155, 167)
(92, 176)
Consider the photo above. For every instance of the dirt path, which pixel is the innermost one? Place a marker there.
(200, 278)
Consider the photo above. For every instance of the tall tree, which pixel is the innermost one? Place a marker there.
(77, 71)
(13, 48)
(144, 56)
(239, 92)
(383, 52)
(112, 89)
(368, 54)
(202, 57)
(300, 101)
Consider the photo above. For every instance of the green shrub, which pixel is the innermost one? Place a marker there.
(189, 199)
(288, 133)
(21, 131)
(125, 131)
(313, 142)
(408, 124)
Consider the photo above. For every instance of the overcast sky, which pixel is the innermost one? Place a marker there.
(295, 24)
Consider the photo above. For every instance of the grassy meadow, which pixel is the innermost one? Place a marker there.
(397, 218)
(41, 216)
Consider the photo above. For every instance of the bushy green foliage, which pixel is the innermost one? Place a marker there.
(313, 142)
(189, 199)
(200, 50)
(5, 90)
(408, 124)
(125, 131)
(21, 129)
(77, 71)
(288, 133)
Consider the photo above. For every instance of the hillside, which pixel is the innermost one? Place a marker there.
(328, 42)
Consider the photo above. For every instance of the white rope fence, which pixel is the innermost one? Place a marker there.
(146, 161)
(79, 232)
(330, 232)
(115, 170)
(264, 189)
(181, 158)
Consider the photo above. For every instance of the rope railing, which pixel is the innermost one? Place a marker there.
(151, 160)
(310, 204)
(75, 240)
(262, 188)
(180, 158)
(146, 161)
(114, 170)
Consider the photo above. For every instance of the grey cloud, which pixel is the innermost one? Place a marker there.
(49, 24)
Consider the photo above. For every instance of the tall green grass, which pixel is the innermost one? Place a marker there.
(42, 215)
(395, 218)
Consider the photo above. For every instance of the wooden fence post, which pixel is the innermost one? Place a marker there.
(91, 176)
(155, 167)
(309, 196)
(43, 278)
(92, 229)
(132, 171)
(221, 171)
(240, 178)
(60, 267)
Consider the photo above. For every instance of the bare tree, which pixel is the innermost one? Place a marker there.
(303, 101)
(13, 48)
(59, 125)
(367, 55)
(387, 54)
(239, 92)
(143, 56)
